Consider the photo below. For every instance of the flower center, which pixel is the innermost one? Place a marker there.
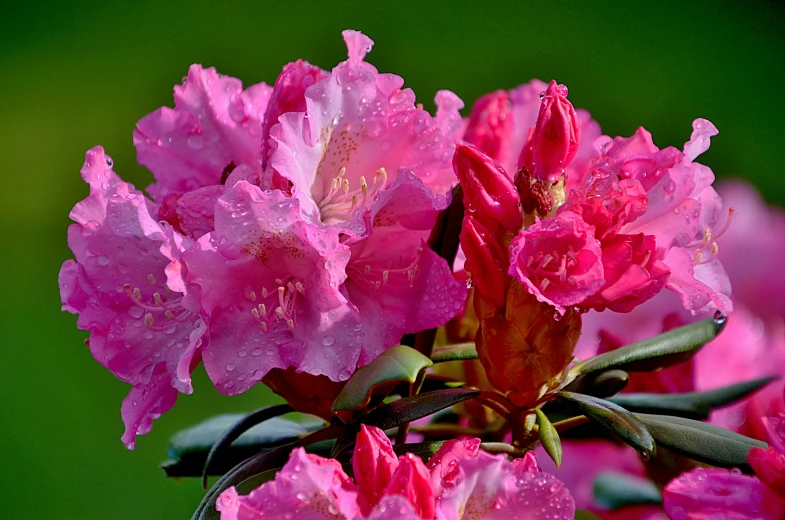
(706, 249)
(151, 311)
(276, 305)
(342, 197)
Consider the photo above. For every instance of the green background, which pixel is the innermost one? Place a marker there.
(82, 74)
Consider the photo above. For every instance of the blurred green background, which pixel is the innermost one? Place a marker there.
(80, 74)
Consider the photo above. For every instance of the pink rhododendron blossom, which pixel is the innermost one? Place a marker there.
(139, 327)
(459, 482)
(653, 212)
(270, 285)
(553, 142)
(715, 493)
(357, 130)
(558, 260)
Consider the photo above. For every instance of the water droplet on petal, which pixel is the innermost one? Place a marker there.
(195, 141)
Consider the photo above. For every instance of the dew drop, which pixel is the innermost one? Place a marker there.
(720, 318)
(103, 260)
(328, 340)
(195, 141)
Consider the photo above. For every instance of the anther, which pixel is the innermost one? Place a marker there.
(157, 298)
(151, 279)
(252, 296)
(264, 292)
(137, 293)
(279, 312)
(148, 319)
(299, 287)
(263, 326)
(290, 323)
(385, 276)
(169, 315)
(255, 313)
(262, 309)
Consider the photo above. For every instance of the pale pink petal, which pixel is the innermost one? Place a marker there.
(443, 465)
(288, 95)
(358, 123)
(144, 403)
(695, 295)
(700, 140)
(396, 281)
(308, 487)
(270, 286)
(139, 328)
(490, 489)
(214, 123)
(704, 494)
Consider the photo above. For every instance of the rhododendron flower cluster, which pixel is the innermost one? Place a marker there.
(314, 235)
(287, 228)
(458, 482)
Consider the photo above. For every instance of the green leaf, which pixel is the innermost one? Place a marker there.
(458, 352)
(693, 405)
(237, 429)
(600, 384)
(582, 514)
(612, 490)
(700, 441)
(549, 437)
(396, 364)
(653, 354)
(188, 448)
(615, 419)
(416, 407)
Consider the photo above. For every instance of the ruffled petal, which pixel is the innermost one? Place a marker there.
(214, 123)
(714, 493)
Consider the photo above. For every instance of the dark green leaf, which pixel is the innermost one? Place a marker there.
(612, 490)
(398, 363)
(582, 514)
(694, 405)
(412, 408)
(600, 384)
(549, 437)
(655, 353)
(237, 429)
(700, 441)
(188, 448)
(615, 419)
(461, 351)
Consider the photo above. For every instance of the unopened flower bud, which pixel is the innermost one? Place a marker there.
(374, 463)
(553, 141)
(485, 260)
(489, 194)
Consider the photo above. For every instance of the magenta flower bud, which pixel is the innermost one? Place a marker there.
(490, 125)
(374, 463)
(412, 480)
(485, 260)
(553, 141)
(488, 193)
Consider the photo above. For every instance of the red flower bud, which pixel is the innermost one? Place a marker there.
(553, 141)
(488, 192)
(412, 480)
(485, 260)
(373, 463)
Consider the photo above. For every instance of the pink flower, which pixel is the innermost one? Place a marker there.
(358, 129)
(140, 328)
(553, 142)
(558, 260)
(270, 284)
(473, 484)
(705, 493)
